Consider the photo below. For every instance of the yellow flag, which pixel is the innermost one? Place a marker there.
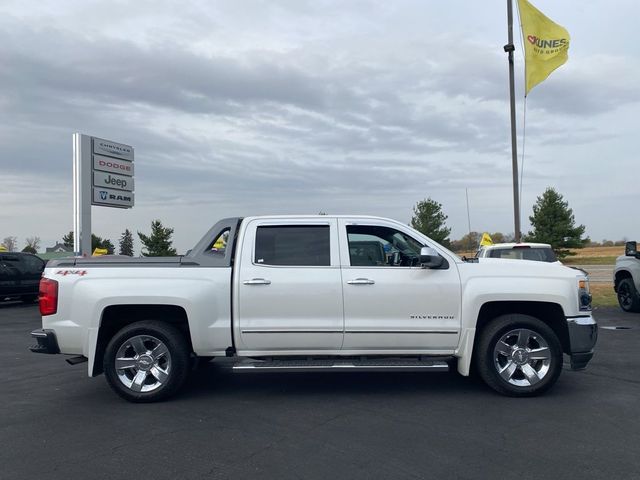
(546, 44)
(486, 240)
(100, 251)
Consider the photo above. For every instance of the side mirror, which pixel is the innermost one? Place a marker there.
(429, 258)
(631, 249)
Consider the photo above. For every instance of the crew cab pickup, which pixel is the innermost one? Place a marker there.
(338, 293)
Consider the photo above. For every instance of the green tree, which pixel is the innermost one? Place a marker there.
(159, 243)
(126, 243)
(553, 223)
(29, 249)
(67, 239)
(429, 219)
(99, 242)
(96, 242)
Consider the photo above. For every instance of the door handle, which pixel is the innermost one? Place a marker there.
(257, 281)
(361, 281)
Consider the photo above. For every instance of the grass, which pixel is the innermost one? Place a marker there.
(594, 256)
(579, 260)
(603, 295)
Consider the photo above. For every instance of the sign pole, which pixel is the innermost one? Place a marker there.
(509, 48)
(81, 194)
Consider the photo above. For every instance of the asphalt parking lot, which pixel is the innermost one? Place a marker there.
(57, 423)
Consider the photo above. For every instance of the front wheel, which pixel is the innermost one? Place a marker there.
(147, 361)
(628, 297)
(519, 355)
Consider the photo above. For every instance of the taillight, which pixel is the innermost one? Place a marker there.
(48, 296)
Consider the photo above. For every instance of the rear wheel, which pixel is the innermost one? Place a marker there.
(519, 355)
(147, 361)
(628, 297)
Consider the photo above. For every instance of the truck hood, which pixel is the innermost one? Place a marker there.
(497, 267)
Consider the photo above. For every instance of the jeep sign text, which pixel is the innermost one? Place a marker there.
(111, 180)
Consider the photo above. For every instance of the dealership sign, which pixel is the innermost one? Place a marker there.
(112, 198)
(112, 164)
(111, 180)
(112, 149)
(102, 176)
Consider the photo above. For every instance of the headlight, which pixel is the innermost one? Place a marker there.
(584, 296)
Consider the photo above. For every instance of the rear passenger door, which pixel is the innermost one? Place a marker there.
(288, 287)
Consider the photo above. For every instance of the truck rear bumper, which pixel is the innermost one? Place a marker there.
(583, 334)
(47, 342)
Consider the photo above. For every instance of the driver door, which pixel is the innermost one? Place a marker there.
(391, 304)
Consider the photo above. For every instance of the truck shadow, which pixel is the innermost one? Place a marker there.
(213, 380)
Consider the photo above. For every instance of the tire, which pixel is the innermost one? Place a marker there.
(628, 296)
(147, 361)
(518, 355)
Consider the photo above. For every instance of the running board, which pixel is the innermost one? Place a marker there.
(344, 365)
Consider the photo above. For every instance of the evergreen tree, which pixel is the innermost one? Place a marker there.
(553, 223)
(158, 244)
(67, 240)
(429, 219)
(29, 249)
(99, 242)
(126, 243)
(96, 242)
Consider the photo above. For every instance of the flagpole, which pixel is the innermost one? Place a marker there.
(509, 48)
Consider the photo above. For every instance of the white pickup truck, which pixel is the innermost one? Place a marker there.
(338, 293)
(626, 278)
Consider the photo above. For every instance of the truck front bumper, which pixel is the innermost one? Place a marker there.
(47, 342)
(583, 334)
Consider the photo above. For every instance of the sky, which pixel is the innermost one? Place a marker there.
(248, 107)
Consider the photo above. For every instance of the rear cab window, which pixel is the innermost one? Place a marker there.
(293, 245)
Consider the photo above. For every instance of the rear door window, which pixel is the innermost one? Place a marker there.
(293, 245)
(32, 265)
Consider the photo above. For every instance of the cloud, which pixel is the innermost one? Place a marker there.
(275, 105)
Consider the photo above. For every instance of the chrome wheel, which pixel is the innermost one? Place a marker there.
(143, 363)
(522, 357)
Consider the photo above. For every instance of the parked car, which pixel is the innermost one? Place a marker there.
(20, 275)
(626, 278)
(333, 293)
(539, 252)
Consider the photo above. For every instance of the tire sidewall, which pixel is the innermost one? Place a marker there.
(178, 349)
(492, 334)
(634, 306)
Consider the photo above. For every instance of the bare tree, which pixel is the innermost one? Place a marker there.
(10, 243)
(33, 242)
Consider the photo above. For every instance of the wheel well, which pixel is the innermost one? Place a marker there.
(621, 275)
(549, 313)
(115, 317)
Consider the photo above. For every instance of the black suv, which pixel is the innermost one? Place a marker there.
(20, 275)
